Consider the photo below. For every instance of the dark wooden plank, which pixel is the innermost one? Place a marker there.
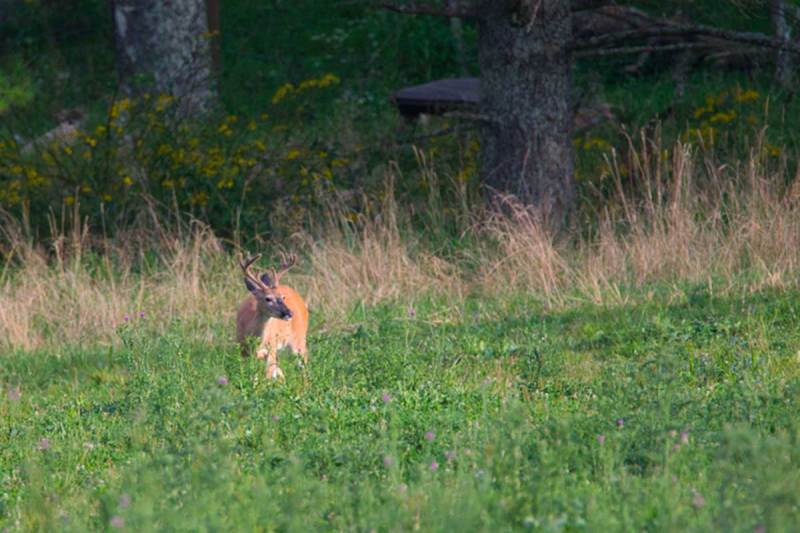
(437, 97)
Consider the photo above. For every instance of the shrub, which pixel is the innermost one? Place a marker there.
(225, 170)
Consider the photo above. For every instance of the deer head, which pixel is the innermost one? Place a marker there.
(265, 290)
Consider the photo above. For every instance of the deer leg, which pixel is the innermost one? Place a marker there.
(270, 353)
(302, 350)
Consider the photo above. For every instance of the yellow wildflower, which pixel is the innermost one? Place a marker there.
(329, 79)
(772, 150)
(723, 117)
(293, 154)
(69, 199)
(596, 142)
(749, 95)
(164, 100)
(225, 183)
(307, 84)
(282, 92)
(127, 181)
(120, 107)
(199, 198)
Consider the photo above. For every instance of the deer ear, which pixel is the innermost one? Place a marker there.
(250, 287)
(266, 280)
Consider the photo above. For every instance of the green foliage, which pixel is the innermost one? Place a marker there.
(218, 170)
(641, 418)
(15, 89)
(340, 137)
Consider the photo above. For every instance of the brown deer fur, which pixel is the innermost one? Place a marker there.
(273, 313)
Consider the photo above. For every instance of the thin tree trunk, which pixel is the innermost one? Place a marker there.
(212, 10)
(457, 31)
(163, 45)
(783, 68)
(526, 86)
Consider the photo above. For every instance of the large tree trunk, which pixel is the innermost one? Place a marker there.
(163, 45)
(526, 85)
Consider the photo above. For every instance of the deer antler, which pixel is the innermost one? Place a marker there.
(248, 274)
(286, 263)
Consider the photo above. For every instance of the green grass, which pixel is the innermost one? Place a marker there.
(516, 397)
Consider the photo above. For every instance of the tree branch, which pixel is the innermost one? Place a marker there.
(588, 5)
(451, 9)
(757, 39)
(640, 49)
(664, 28)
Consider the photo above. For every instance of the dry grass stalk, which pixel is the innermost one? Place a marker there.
(739, 231)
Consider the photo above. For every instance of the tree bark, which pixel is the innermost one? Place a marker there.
(163, 45)
(523, 49)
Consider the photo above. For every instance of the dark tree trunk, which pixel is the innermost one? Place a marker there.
(163, 45)
(526, 85)
(212, 13)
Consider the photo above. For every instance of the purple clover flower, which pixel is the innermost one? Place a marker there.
(386, 397)
(698, 501)
(430, 436)
(601, 439)
(222, 381)
(14, 394)
(124, 500)
(434, 466)
(117, 522)
(620, 422)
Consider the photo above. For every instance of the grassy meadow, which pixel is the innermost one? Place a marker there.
(485, 414)
(637, 370)
(643, 377)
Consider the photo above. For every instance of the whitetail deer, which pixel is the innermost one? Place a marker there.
(273, 313)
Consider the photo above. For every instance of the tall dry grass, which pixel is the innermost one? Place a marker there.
(735, 230)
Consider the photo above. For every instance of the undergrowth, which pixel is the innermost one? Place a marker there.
(733, 233)
(481, 415)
